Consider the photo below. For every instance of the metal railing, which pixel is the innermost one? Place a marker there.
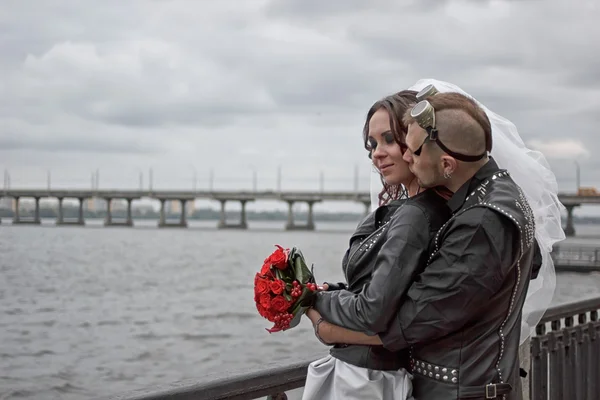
(565, 364)
(565, 353)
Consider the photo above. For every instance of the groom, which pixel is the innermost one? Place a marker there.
(461, 317)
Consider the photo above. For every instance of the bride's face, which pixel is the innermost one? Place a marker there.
(386, 153)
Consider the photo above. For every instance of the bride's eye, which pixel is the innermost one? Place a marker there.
(389, 138)
(372, 145)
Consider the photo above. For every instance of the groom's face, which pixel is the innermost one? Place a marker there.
(423, 157)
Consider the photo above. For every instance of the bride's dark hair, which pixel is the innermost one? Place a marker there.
(396, 105)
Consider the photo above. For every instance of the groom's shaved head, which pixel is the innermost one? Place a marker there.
(462, 124)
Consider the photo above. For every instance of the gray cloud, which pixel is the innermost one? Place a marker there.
(240, 86)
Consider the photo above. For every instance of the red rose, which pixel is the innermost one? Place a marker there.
(279, 258)
(266, 269)
(279, 303)
(277, 286)
(262, 286)
(271, 316)
(261, 310)
(265, 301)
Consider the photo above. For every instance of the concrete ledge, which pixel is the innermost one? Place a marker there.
(172, 225)
(225, 225)
(119, 223)
(294, 227)
(75, 222)
(26, 222)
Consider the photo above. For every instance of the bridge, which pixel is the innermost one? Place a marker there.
(569, 200)
(243, 197)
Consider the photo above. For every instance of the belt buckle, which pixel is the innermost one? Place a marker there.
(491, 391)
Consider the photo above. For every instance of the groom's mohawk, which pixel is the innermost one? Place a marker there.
(445, 103)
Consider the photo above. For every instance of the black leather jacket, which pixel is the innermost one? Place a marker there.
(385, 254)
(461, 318)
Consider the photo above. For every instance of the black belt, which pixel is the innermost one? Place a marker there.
(490, 391)
(451, 375)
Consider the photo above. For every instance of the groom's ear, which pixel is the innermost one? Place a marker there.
(448, 164)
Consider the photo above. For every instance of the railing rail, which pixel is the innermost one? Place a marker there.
(565, 360)
(565, 364)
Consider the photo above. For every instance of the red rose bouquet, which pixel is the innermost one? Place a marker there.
(284, 288)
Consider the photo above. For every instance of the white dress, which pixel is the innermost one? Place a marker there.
(329, 378)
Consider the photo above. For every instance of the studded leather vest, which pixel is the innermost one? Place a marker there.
(481, 359)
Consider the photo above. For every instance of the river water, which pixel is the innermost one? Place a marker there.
(95, 311)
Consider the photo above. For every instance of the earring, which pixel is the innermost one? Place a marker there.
(447, 175)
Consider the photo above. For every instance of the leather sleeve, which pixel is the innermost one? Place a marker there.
(336, 286)
(476, 255)
(404, 250)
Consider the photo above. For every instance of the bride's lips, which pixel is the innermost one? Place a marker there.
(385, 167)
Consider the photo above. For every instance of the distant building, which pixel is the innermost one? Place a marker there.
(95, 204)
(118, 205)
(143, 209)
(8, 203)
(173, 207)
(190, 207)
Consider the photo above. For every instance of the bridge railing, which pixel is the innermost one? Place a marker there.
(565, 363)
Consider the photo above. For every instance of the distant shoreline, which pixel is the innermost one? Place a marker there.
(207, 214)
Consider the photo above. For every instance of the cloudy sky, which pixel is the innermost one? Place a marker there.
(243, 87)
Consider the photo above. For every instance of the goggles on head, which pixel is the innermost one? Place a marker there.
(424, 114)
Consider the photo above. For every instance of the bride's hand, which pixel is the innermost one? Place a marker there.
(323, 287)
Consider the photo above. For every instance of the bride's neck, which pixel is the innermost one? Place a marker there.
(413, 188)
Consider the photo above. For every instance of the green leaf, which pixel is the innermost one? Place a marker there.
(287, 296)
(303, 303)
(301, 271)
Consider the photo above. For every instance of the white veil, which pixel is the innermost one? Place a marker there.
(529, 169)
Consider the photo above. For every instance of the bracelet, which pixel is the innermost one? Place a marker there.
(317, 331)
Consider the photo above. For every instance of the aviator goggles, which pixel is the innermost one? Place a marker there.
(424, 114)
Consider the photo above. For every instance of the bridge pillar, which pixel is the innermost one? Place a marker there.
(243, 218)
(223, 224)
(291, 224)
(80, 219)
(129, 220)
(162, 219)
(108, 218)
(60, 218)
(310, 222)
(110, 221)
(36, 215)
(222, 215)
(290, 219)
(570, 228)
(16, 217)
(162, 223)
(183, 217)
(59, 215)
